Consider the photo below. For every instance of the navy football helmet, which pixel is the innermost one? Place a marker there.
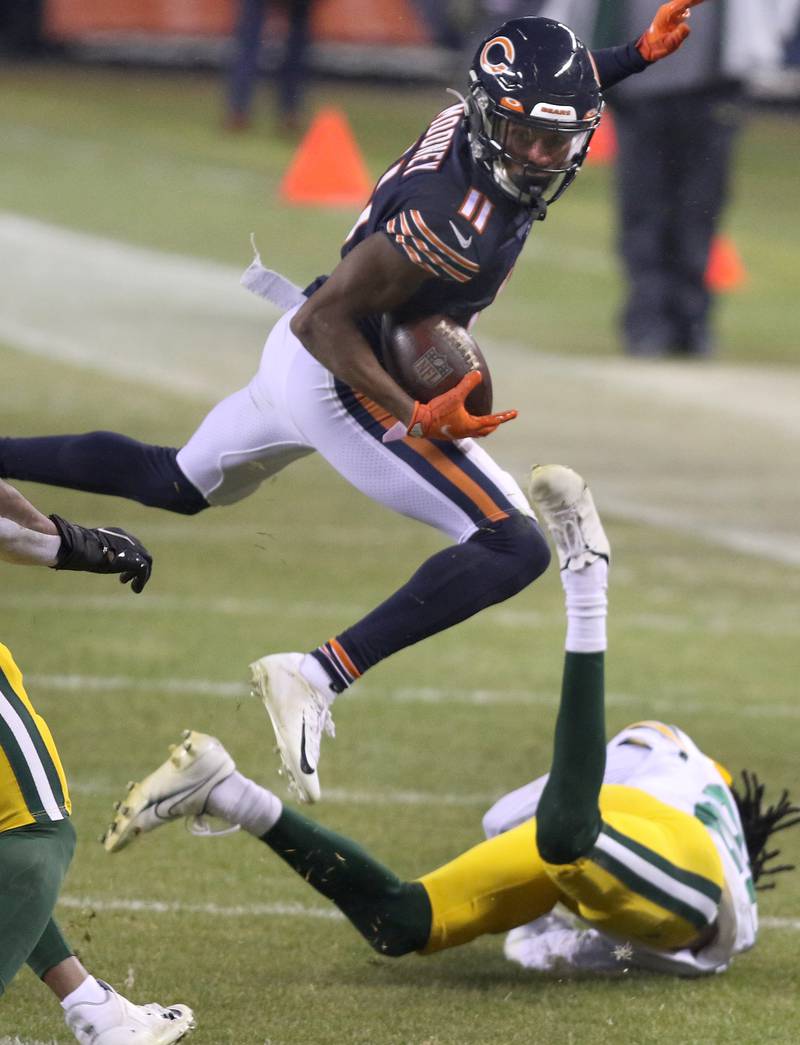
(533, 105)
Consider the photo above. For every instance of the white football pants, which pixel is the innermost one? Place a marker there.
(294, 406)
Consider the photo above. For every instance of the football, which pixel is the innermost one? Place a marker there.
(430, 356)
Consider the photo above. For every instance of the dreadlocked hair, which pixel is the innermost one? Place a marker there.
(759, 824)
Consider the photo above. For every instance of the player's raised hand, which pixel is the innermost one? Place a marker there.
(446, 416)
(106, 549)
(668, 30)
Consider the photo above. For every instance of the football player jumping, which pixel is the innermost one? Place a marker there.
(643, 839)
(439, 235)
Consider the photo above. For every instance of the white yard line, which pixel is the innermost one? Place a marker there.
(780, 923)
(233, 690)
(277, 909)
(762, 623)
(266, 910)
(708, 450)
(159, 319)
(102, 788)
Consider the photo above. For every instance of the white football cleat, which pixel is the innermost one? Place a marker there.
(565, 504)
(299, 713)
(180, 787)
(117, 1021)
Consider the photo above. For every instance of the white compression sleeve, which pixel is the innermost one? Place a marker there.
(586, 594)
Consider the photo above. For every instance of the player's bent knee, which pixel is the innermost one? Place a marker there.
(181, 501)
(164, 485)
(563, 840)
(536, 551)
(520, 537)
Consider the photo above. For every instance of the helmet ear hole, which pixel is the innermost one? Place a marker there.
(532, 73)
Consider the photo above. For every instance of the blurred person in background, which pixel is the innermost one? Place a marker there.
(442, 24)
(792, 54)
(676, 130)
(21, 28)
(291, 71)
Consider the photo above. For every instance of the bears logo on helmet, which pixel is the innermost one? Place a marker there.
(534, 103)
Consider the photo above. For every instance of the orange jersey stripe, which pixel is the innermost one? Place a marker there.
(441, 245)
(415, 257)
(421, 245)
(426, 250)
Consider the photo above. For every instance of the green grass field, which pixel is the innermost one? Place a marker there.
(703, 629)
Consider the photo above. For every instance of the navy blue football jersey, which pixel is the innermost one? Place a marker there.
(447, 217)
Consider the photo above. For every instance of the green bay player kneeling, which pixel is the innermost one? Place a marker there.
(643, 840)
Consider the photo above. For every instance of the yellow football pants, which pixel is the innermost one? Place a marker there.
(653, 876)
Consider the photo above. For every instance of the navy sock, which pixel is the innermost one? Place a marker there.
(501, 559)
(103, 462)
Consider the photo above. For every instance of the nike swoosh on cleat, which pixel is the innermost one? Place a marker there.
(304, 764)
(164, 808)
(463, 241)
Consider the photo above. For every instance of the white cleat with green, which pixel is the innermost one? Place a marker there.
(178, 788)
(565, 505)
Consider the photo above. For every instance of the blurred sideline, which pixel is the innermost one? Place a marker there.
(706, 449)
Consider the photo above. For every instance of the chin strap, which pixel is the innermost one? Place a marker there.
(461, 98)
(540, 207)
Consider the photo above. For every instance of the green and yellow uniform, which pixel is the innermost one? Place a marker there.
(33, 788)
(36, 836)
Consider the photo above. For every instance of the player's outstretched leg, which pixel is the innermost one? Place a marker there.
(495, 563)
(105, 463)
(568, 817)
(111, 1019)
(199, 778)
(299, 712)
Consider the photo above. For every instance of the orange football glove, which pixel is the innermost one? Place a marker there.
(668, 30)
(446, 417)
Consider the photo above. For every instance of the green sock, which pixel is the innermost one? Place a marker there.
(568, 817)
(52, 949)
(393, 916)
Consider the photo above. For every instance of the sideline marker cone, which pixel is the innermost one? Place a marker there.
(603, 149)
(725, 269)
(328, 168)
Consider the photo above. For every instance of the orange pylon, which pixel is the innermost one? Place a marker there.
(725, 269)
(327, 169)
